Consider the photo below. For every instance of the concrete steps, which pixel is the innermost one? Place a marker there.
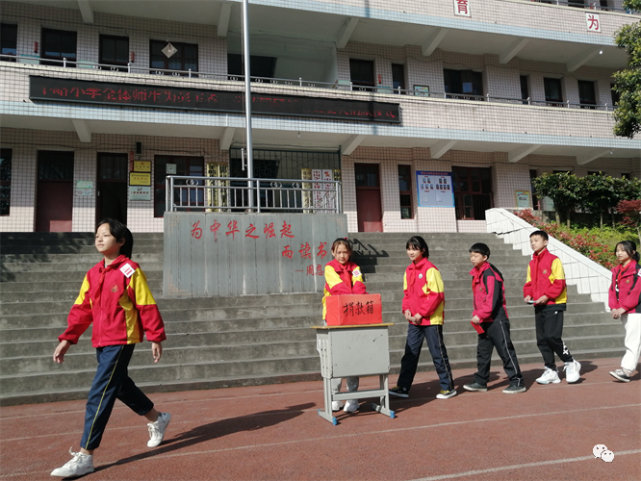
(248, 340)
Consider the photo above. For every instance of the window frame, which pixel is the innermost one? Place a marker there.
(407, 193)
(454, 78)
(183, 71)
(582, 84)
(116, 64)
(57, 60)
(477, 195)
(9, 43)
(5, 184)
(360, 83)
(553, 101)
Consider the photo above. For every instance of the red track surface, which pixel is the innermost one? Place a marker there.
(274, 433)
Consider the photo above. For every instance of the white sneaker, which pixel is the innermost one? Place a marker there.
(351, 406)
(337, 405)
(572, 371)
(157, 429)
(79, 465)
(549, 376)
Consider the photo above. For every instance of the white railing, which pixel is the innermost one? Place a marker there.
(589, 277)
(342, 85)
(240, 194)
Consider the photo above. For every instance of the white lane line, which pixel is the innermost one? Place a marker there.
(520, 466)
(383, 431)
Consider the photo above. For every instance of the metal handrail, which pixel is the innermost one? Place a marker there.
(229, 194)
(349, 86)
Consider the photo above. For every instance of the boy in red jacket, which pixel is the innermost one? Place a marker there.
(545, 288)
(423, 305)
(492, 323)
(116, 299)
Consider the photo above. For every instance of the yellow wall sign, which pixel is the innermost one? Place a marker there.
(142, 166)
(139, 178)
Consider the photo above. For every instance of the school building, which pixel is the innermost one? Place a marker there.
(429, 112)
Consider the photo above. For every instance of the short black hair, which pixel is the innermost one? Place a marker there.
(417, 242)
(120, 231)
(481, 248)
(540, 233)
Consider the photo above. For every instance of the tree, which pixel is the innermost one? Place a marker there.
(564, 189)
(598, 194)
(631, 211)
(627, 113)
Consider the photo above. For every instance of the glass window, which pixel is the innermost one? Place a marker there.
(9, 41)
(5, 181)
(114, 51)
(587, 95)
(398, 76)
(553, 92)
(58, 45)
(615, 96)
(525, 91)
(361, 73)
(367, 175)
(262, 67)
(185, 58)
(463, 84)
(472, 192)
(405, 190)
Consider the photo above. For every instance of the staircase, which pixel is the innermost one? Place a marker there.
(235, 341)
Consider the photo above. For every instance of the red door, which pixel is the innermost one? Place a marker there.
(54, 194)
(368, 198)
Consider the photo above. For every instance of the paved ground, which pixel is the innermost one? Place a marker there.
(274, 433)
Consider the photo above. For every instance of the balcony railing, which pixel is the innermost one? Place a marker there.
(240, 194)
(343, 85)
(587, 5)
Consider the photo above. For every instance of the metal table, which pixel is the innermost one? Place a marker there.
(356, 350)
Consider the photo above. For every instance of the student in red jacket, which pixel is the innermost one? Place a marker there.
(625, 303)
(545, 288)
(114, 297)
(423, 305)
(490, 315)
(342, 276)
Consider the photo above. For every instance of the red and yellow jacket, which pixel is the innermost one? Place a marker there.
(625, 291)
(545, 276)
(424, 292)
(118, 301)
(342, 279)
(488, 291)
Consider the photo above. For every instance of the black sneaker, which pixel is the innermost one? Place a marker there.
(399, 391)
(475, 387)
(620, 375)
(514, 389)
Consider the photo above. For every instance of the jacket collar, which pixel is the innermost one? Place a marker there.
(541, 254)
(116, 264)
(420, 264)
(477, 273)
(338, 267)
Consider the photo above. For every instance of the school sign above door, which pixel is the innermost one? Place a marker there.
(138, 95)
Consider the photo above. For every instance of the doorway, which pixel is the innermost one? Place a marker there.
(54, 193)
(368, 198)
(111, 189)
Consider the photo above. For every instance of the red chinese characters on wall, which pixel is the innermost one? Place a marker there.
(462, 7)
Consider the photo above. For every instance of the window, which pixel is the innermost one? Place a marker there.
(535, 199)
(553, 92)
(405, 189)
(5, 181)
(525, 91)
(114, 51)
(398, 77)
(361, 73)
(472, 192)
(58, 45)
(587, 97)
(185, 58)
(576, 3)
(463, 84)
(625, 175)
(615, 96)
(183, 166)
(9, 41)
(262, 67)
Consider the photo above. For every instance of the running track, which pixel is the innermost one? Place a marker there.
(273, 433)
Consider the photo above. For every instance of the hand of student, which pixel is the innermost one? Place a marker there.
(476, 320)
(59, 353)
(408, 315)
(156, 350)
(617, 313)
(416, 319)
(527, 298)
(541, 300)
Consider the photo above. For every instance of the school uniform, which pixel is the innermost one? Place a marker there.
(424, 294)
(625, 293)
(342, 279)
(489, 306)
(545, 276)
(117, 301)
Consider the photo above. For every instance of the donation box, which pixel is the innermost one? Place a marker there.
(353, 309)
